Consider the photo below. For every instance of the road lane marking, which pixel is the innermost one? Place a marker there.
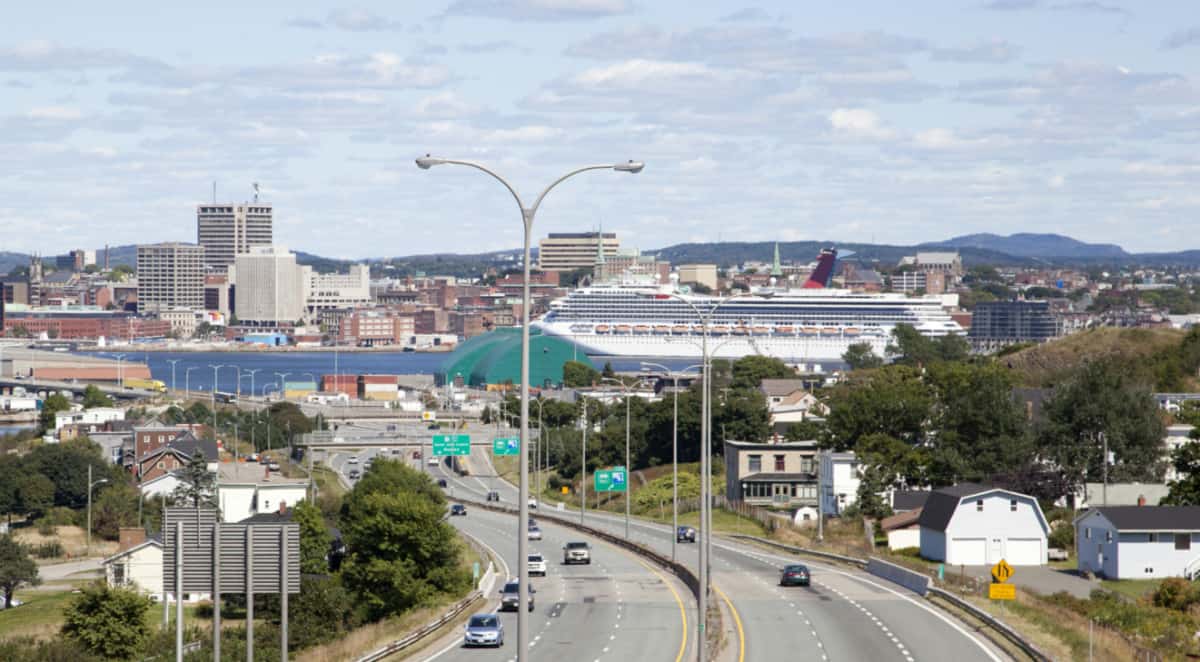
(737, 619)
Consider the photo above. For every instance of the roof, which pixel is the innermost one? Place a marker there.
(495, 357)
(126, 552)
(1152, 518)
(769, 477)
(781, 387)
(809, 445)
(909, 499)
(941, 504)
(252, 472)
(938, 257)
(273, 517)
(900, 520)
(1125, 494)
(187, 443)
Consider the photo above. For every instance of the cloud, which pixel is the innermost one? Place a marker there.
(350, 20)
(41, 55)
(501, 46)
(54, 113)
(1091, 7)
(1010, 5)
(1182, 38)
(748, 14)
(540, 10)
(858, 123)
(993, 51)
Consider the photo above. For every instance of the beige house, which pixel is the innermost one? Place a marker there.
(782, 474)
(138, 563)
(788, 401)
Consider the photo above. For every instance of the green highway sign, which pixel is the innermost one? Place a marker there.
(451, 444)
(506, 446)
(610, 480)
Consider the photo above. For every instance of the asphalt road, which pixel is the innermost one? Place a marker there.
(844, 615)
(618, 607)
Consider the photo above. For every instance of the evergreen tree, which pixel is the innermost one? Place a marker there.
(198, 485)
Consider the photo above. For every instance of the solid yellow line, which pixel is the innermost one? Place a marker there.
(737, 619)
(678, 601)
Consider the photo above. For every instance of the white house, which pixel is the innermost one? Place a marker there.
(839, 479)
(903, 530)
(1176, 436)
(93, 416)
(1139, 542)
(969, 524)
(138, 564)
(245, 489)
(160, 485)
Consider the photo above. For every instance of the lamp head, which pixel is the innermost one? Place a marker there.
(426, 162)
(632, 167)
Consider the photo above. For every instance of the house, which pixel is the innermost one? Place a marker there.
(782, 474)
(904, 501)
(246, 489)
(1176, 436)
(788, 401)
(154, 435)
(138, 563)
(94, 416)
(175, 455)
(969, 524)
(903, 530)
(163, 484)
(1139, 542)
(839, 479)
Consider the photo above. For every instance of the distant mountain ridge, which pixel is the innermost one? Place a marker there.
(1028, 244)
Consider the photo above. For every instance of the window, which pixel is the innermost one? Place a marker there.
(1183, 541)
(1087, 533)
(780, 463)
(1108, 536)
(979, 506)
(1012, 505)
(755, 463)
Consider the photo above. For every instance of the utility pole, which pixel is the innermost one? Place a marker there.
(1104, 443)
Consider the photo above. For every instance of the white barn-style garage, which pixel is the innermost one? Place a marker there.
(970, 524)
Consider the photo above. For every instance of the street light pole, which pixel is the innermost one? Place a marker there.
(120, 372)
(527, 216)
(172, 362)
(583, 467)
(251, 373)
(674, 452)
(89, 507)
(627, 467)
(187, 381)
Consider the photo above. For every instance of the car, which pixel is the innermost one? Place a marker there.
(577, 552)
(537, 564)
(532, 523)
(273, 465)
(442, 482)
(433, 461)
(794, 575)
(353, 459)
(458, 509)
(483, 630)
(510, 596)
(535, 533)
(416, 455)
(685, 534)
(533, 503)
(493, 496)
(353, 475)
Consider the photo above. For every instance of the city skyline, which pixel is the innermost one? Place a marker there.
(870, 123)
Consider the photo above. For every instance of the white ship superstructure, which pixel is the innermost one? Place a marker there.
(800, 325)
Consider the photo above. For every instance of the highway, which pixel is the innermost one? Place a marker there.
(617, 608)
(844, 615)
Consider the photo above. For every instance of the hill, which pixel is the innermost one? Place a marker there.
(1044, 365)
(1032, 245)
(730, 253)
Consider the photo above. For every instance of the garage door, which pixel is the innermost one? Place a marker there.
(1023, 551)
(968, 551)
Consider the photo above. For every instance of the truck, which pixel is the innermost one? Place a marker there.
(145, 384)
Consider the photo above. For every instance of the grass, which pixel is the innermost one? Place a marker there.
(73, 540)
(376, 635)
(725, 521)
(40, 614)
(1047, 363)
(327, 480)
(1131, 588)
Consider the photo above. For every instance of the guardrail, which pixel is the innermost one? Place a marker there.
(996, 624)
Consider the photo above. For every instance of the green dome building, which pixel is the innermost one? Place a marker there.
(495, 358)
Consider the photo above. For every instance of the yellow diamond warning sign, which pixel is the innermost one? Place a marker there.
(1001, 572)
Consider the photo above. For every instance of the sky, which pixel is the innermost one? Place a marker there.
(887, 122)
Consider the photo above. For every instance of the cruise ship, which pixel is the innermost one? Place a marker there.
(813, 324)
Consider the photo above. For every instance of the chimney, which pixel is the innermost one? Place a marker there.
(130, 537)
(282, 507)
(1141, 499)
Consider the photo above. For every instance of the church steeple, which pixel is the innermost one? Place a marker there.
(776, 268)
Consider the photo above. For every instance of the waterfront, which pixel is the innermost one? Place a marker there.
(300, 366)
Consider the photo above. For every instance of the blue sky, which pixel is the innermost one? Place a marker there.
(853, 121)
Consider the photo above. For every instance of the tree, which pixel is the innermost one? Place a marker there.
(608, 372)
(1098, 398)
(111, 622)
(322, 612)
(979, 429)
(893, 400)
(197, 486)
(886, 461)
(115, 507)
(35, 494)
(16, 568)
(910, 347)
(750, 370)
(577, 374)
(1186, 490)
(314, 539)
(859, 355)
(50, 406)
(94, 397)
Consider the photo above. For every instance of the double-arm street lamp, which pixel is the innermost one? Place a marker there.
(527, 215)
(172, 362)
(674, 448)
(251, 372)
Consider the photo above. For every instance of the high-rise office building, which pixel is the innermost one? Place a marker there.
(170, 276)
(270, 286)
(229, 229)
(567, 251)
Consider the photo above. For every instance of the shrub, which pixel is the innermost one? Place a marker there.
(47, 550)
(61, 516)
(914, 552)
(45, 527)
(1175, 593)
(1062, 536)
(111, 622)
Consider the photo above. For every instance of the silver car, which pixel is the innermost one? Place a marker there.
(484, 630)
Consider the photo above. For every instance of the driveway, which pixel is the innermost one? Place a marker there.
(1043, 579)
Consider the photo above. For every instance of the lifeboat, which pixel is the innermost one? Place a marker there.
(851, 331)
(581, 328)
(622, 328)
(760, 330)
(829, 331)
(720, 330)
(662, 328)
(680, 328)
(641, 328)
(785, 330)
(602, 328)
(740, 330)
(810, 330)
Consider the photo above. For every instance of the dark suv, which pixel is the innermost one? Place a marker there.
(458, 509)
(493, 496)
(685, 534)
(510, 596)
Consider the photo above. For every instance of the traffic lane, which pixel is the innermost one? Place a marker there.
(568, 601)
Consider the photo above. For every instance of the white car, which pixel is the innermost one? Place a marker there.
(353, 459)
(433, 461)
(535, 533)
(537, 564)
(533, 503)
